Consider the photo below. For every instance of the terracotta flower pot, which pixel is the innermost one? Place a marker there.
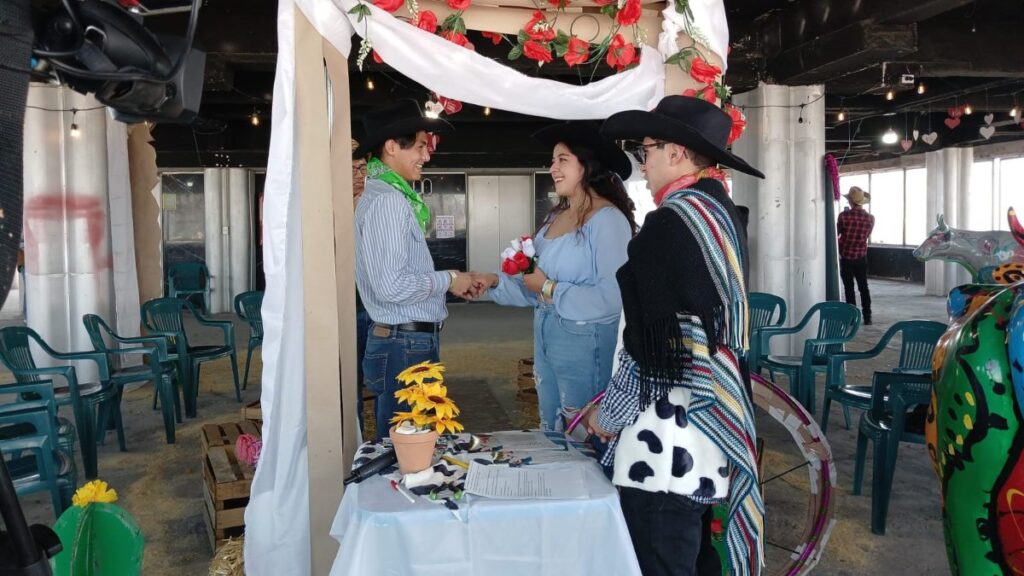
(415, 451)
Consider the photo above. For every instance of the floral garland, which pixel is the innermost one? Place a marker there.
(537, 40)
(541, 41)
(833, 174)
(692, 61)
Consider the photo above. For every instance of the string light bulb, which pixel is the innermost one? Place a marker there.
(890, 95)
(1015, 111)
(369, 84)
(921, 88)
(841, 116)
(968, 109)
(487, 111)
(74, 131)
(254, 118)
(890, 136)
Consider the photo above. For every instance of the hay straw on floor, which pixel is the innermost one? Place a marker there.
(230, 559)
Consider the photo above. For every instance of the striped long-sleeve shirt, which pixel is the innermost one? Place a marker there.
(394, 270)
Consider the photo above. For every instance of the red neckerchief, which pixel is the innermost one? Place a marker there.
(687, 181)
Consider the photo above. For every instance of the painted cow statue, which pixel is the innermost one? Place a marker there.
(975, 424)
(994, 256)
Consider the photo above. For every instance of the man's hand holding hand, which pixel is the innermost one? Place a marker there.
(462, 284)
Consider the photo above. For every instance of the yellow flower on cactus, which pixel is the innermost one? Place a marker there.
(416, 417)
(443, 425)
(441, 404)
(410, 394)
(95, 491)
(421, 372)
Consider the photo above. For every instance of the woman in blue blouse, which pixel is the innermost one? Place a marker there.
(573, 288)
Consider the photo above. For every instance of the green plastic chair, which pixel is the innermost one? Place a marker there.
(838, 323)
(84, 398)
(248, 307)
(893, 395)
(29, 424)
(160, 369)
(189, 279)
(763, 308)
(917, 344)
(165, 317)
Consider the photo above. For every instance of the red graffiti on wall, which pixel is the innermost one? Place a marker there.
(54, 208)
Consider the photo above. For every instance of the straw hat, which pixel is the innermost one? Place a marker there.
(858, 197)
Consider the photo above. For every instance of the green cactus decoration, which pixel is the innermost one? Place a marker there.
(99, 537)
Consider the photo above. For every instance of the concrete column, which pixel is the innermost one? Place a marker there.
(787, 212)
(213, 188)
(949, 175)
(240, 233)
(68, 259)
(228, 234)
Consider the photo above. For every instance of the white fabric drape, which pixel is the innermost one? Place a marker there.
(127, 316)
(277, 517)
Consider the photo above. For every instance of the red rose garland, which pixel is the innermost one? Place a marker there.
(536, 51)
(577, 52)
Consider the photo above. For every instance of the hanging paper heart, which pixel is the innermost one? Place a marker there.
(952, 123)
(989, 118)
(917, 133)
(987, 131)
(450, 106)
(955, 112)
(432, 141)
(434, 107)
(906, 144)
(930, 138)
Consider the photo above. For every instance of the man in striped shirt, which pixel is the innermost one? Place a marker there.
(404, 295)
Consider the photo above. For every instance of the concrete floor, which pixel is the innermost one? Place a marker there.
(161, 484)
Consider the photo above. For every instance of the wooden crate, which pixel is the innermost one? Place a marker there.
(252, 412)
(226, 481)
(226, 434)
(525, 383)
(526, 367)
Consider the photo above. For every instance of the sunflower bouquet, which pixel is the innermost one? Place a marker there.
(425, 393)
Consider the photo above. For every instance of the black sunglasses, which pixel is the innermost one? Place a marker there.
(639, 149)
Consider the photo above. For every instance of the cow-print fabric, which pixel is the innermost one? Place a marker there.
(661, 452)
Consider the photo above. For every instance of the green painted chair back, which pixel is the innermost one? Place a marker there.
(917, 344)
(248, 306)
(836, 320)
(766, 310)
(165, 315)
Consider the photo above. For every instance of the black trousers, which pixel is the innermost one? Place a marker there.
(669, 533)
(856, 269)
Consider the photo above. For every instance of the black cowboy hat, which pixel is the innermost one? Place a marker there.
(587, 133)
(697, 124)
(394, 119)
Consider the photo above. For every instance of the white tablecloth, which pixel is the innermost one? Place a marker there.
(381, 533)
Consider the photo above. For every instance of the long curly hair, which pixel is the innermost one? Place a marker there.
(600, 181)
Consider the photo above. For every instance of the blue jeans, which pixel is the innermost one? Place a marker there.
(572, 362)
(362, 329)
(386, 357)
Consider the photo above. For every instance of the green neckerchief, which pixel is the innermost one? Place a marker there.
(381, 171)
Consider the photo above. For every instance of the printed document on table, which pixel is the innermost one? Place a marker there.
(522, 441)
(546, 483)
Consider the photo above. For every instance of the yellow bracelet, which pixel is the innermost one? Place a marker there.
(548, 289)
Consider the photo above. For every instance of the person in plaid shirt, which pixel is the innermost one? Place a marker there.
(854, 227)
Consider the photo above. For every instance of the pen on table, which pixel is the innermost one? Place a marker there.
(398, 488)
(455, 461)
